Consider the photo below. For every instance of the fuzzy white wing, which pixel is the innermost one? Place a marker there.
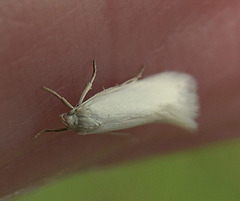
(166, 97)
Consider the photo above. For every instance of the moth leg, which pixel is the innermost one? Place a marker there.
(138, 76)
(49, 130)
(89, 85)
(60, 97)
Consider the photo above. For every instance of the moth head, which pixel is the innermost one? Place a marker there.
(69, 119)
(79, 120)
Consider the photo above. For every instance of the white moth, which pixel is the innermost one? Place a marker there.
(168, 97)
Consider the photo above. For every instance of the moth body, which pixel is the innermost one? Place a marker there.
(168, 97)
(165, 97)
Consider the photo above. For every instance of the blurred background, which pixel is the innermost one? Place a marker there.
(207, 173)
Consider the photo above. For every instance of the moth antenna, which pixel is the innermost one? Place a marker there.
(89, 85)
(60, 97)
(48, 130)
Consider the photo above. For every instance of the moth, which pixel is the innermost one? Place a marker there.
(168, 97)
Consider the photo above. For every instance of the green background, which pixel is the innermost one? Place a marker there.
(207, 173)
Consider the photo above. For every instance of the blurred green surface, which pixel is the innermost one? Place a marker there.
(210, 173)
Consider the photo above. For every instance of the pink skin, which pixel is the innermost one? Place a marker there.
(53, 43)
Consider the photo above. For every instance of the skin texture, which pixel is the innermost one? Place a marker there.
(53, 43)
